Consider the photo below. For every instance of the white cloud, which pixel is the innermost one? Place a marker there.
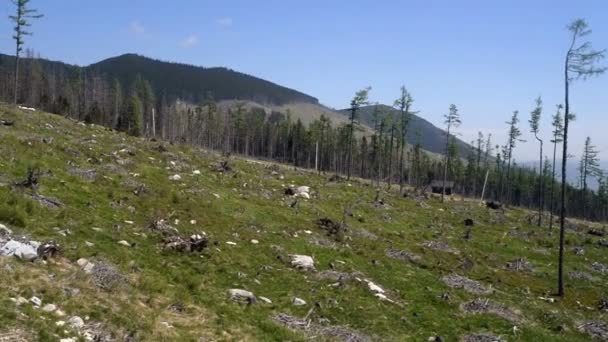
(137, 28)
(190, 41)
(225, 22)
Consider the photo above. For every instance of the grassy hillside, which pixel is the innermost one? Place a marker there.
(404, 268)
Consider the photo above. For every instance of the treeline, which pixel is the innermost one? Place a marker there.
(384, 156)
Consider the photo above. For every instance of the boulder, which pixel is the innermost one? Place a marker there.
(242, 296)
(298, 301)
(21, 250)
(302, 262)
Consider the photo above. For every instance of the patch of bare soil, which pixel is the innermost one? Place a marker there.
(520, 265)
(469, 285)
(440, 246)
(403, 256)
(485, 306)
(482, 337)
(596, 329)
(14, 335)
(318, 331)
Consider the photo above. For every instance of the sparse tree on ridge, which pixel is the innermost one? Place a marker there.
(21, 20)
(580, 63)
(359, 100)
(514, 137)
(404, 103)
(535, 128)
(452, 120)
(558, 131)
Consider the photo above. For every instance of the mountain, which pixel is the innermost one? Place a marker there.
(193, 83)
(430, 137)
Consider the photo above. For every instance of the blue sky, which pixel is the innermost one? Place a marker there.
(487, 57)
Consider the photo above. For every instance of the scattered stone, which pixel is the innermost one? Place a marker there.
(4, 231)
(403, 256)
(298, 301)
(302, 262)
(460, 282)
(86, 265)
(89, 244)
(440, 246)
(481, 337)
(254, 241)
(49, 308)
(175, 177)
(21, 250)
(196, 243)
(76, 322)
(581, 275)
(107, 276)
(242, 296)
(485, 306)
(603, 243)
(231, 243)
(124, 243)
(599, 267)
(520, 265)
(596, 329)
(36, 301)
(196, 172)
(60, 323)
(315, 331)
(88, 175)
(265, 300)
(578, 251)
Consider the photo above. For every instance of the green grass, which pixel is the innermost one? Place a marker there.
(158, 279)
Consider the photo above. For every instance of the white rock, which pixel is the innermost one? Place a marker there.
(60, 323)
(175, 177)
(27, 108)
(240, 295)
(304, 195)
(216, 195)
(176, 222)
(231, 243)
(4, 230)
(36, 301)
(21, 250)
(192, 221)
(49, 308)
(196, 172)
(302, 189)
(172, 163)
(69, 339)
(167, 325)
(89, 244)
(308, 232)
(374, 288)
(59, 313)
(304, 262)
(265, 300)
(129, 222)
(82, 262)
(254, 241)
(76, 322)
(21, 301)
(124, 243)
(298, 301)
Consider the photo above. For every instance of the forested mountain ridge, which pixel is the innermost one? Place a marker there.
(186, 82)
(193, 83)
(420, 131)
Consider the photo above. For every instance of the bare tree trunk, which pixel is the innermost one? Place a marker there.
(562, 214)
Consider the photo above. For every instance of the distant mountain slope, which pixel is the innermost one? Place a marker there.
(175, 80)
(430, 137)
(192, 83)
